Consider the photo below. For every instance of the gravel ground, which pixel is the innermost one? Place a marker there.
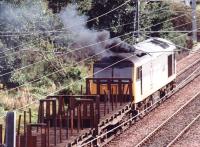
(145, 126)
(175, 125)
(183, 63)
(189, 71)
(191, 138)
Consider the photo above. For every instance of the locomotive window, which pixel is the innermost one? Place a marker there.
(174, 60)
(139, 73)
(139, 77)
(118, 71)
(125, 72)
(102, 73)
(170, 70)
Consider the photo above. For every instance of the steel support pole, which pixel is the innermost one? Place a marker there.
(136, 20)
(194, 21)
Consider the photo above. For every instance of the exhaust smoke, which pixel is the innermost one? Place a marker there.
(92, 40)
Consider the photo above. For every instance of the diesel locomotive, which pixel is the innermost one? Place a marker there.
(150, 69)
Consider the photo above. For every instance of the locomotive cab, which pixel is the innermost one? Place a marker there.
(112, 77)
(110, 67)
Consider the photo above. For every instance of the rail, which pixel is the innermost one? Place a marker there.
(183, 131)
(131, 119)
(166, 121)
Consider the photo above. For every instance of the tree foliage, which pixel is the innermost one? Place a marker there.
(37, 37)
(114, 21)
(121, 21)
(32, 51)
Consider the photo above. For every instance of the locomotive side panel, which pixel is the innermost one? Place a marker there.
(160, 71)
(155, 73)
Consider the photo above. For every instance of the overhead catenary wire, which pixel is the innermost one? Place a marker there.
(37, 79)
(106, 13)
(181, 25)
(57, 71)
(66, 53)
(54, 48)
(57, 52)
(131, 118)
(62, 54)
(146, 27)
(92, 19)
(102, 15)
(64, 29)
(87, 46)
(63, 87)
(87, 59)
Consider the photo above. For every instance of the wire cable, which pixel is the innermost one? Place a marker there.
(63, 87)
(64, 29)
(88, 46)
(57, 71)
(59, 90)
(44, 76)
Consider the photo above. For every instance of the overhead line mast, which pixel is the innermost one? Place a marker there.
(136, 20)
(194, 21)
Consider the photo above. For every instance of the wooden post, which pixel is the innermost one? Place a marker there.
(60, 126)
(48, 109)
(81, 89)
(79, 117)
(98, 108)
(19, 124)
(11, 129)
(130, 90)
(55, 120)
(24, 122)
(105, 98)
(28, 137)
(67, 124)
(108, 101)
(123, 92)
(1, 135)
(72, 120)
(120, 92)
(48, 127)
(91, 115)
(29, 115)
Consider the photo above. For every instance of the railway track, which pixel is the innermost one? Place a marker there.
(193, 70)
(116, 116)
(196, 119)
(167, 132)
(181, 75)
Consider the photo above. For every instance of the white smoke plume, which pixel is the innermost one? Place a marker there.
(31, 16)
(83, 36)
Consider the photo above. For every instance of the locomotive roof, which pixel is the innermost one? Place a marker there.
(155, 46)
(145, 51)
